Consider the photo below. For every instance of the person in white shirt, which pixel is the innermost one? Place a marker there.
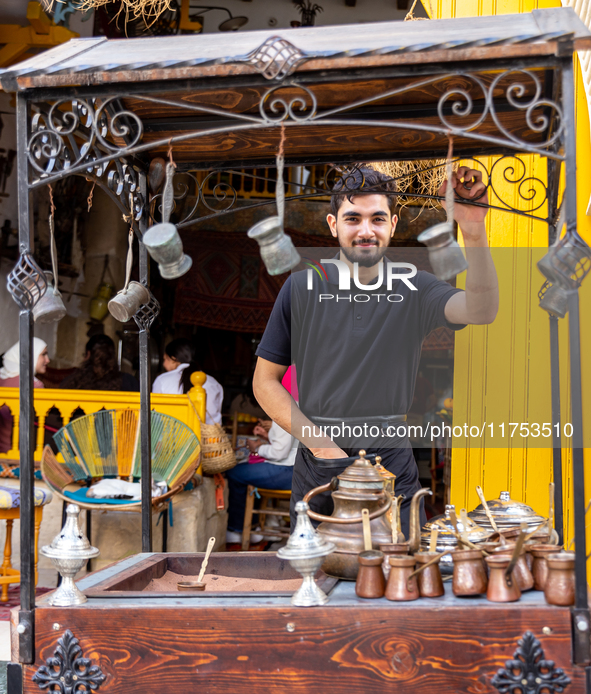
(178, 366)
(269, 466)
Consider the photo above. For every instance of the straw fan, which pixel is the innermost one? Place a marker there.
(107, 444)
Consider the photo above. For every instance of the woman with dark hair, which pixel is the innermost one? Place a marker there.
(179, 364)
(100, 370)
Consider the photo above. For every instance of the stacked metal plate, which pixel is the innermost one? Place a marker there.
(507, 513)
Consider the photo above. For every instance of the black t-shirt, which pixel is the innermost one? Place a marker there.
(357, 353)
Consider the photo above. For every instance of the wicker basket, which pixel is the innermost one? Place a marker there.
(217, 454)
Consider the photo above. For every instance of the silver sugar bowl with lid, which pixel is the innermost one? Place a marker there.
(69, 552)
(508, 514)
(305, 550)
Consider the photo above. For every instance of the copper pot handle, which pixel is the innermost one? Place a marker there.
(331, 486)
(514, 558)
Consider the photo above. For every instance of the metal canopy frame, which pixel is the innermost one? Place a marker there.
(89, 131)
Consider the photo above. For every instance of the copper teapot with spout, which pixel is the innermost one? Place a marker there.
(359, 486)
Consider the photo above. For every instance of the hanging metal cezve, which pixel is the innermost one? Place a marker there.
(50, 308)
(277, 249)
(163, 240)
(445, 254)
(125, 304)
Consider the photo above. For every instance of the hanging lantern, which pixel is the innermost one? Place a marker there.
(277, 249)
(165, 246)
(445, 254)
(50, 307)
(555, 300)
(565, 261)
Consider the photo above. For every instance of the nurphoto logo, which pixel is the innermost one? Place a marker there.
(390, 268)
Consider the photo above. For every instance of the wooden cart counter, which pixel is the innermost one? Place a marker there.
(262, 644)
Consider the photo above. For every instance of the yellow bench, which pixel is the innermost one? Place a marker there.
(189, 409)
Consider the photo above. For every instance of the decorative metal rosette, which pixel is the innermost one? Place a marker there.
(68, 671)
(26, 282)
(276, 58)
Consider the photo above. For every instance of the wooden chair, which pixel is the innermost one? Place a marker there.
(268, 496)
(10, 511)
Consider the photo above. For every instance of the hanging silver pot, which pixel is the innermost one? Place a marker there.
(165, 246)
(277, 249)
(124, 305)
(50, 307)
(555, 301)
(445, 254)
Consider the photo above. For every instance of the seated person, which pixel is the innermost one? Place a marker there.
(100, 371)
(179, 364)
(10, 378)
(270, 468)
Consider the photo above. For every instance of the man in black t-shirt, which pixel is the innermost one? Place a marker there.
(354, 332)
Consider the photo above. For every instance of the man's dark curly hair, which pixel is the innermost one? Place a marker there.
(362, 180)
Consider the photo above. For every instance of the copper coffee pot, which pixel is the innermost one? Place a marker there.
(469, 577)
(499, 588)
(402, 585)
(560, 582)
(359, 486)
(540, 564)
(429, 575)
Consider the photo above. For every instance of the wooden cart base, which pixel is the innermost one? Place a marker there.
(152, 645)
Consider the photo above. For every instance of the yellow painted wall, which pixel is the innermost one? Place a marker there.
(502, 371)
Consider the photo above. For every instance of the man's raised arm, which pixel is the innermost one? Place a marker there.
(479, 303)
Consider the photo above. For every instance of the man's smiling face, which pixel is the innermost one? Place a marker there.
(363, 227)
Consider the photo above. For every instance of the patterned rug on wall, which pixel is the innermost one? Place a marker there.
(228, 287)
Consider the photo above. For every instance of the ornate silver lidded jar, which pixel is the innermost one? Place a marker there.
(69, 552)
(446, 540)
(507, 513)
(305, 550)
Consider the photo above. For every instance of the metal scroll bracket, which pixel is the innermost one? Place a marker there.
(529, 672)
(581, 636)
(26, 636)
(67, 671)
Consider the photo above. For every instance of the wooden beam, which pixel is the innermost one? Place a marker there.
(40, 22)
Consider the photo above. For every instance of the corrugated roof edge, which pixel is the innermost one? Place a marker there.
(553, 24)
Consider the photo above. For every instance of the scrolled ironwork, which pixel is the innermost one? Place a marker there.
(68, 672)
(515, 94)
(529, 672)
(221, 191)
(462, 104)
(109, 130)
(52, 149)
(274, 109)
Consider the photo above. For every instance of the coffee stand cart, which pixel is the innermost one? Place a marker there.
(103, 109)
